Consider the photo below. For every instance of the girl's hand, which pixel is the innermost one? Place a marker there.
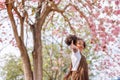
(73, 47)
(65, 78)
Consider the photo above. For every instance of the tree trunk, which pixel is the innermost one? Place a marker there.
(26, 62)
(37, 55)
(37, 52)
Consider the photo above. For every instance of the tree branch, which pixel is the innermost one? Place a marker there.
(81, 13)
(51, 17)
(66, 19)
(47, 74)
(10, 14)
(21, 18)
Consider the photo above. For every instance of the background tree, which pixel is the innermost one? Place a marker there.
(12, 68)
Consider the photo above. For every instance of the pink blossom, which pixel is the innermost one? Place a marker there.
(117, 12)
(2, 6)
(110, 21)
(56, 1)
(106, 9)
(92, 27)
(96, 14)
(110, 38)
(55, 68)
(94, 34)
(97, 48)
(116, 31)
(100, 28)
(1, 40)
(55, 32)
(3, 32)
(35, 0)
(72, 8)
(99, 6)
(117, 2)
(64, 32)
(93, 40)
(2, 1)
(102, 34)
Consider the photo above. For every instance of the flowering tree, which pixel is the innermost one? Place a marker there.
(94, 20)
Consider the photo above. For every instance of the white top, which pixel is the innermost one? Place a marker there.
(75, 59)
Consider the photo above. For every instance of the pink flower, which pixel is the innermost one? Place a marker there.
(99, 6)
(1, 40)
(72, 8)
(92, 27)
(117, 2)
(100, 28)
(110, 38)
(2, 6)
(55, 32)
(3, 32)
(116, 31)
(102, 34)
(96, 14)
(2, 1)
(55, 68)
(56, 1)
(117, 12)
(106, 9)
(97, 48)
(35, 0)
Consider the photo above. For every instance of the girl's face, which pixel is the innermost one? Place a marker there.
(80, 44)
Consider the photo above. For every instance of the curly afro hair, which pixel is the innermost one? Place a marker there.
(71, 38)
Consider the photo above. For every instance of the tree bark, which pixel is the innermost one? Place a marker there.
(26, 62)
(25, 58)
(37, 53)
(37, 56)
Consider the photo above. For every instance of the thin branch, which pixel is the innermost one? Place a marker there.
(14, 27)
(51, 17)
(94, 2)
(43, 17)
(3, 18)
(4, 47)
(17, 12)
(26, 35)
(9, 2)
(81, 13)
(90, 4)
(66, 19)
(58, 2)
(47, 74)
(113, 59)
(21, 20)
(23, 1)
(51, 61)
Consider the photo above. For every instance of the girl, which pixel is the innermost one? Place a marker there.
(79, 66)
